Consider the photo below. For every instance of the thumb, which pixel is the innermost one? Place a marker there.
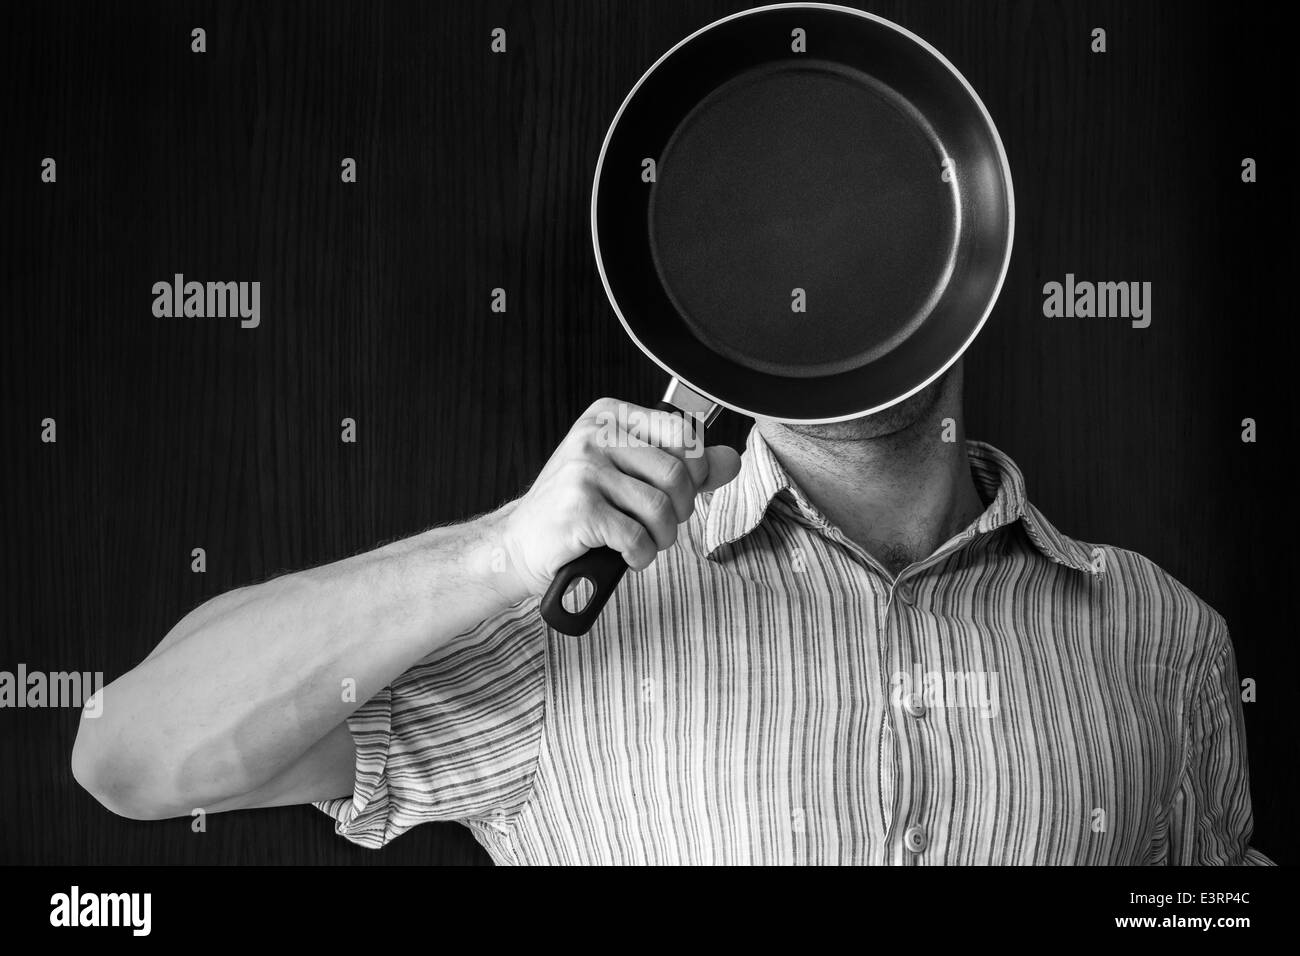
(724, 465)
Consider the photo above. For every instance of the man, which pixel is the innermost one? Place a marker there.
(861, 644)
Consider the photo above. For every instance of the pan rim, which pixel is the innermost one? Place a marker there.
(1003, 163)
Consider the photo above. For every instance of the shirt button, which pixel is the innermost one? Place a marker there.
(913, 704)
(903, 592)
(915, 839)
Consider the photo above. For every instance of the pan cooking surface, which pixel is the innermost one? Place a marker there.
(860, 168)
(803, 175)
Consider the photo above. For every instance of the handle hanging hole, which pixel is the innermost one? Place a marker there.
(578, 595)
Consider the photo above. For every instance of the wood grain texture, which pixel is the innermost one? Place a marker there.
(474, 171)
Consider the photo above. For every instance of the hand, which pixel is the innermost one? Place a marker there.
(625, 477)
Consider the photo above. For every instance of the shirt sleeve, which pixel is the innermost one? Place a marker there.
(456, 737)
(1211, 819)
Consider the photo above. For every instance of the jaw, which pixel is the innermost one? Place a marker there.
(909, 415)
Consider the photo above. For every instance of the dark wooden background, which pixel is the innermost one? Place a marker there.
(475, 172)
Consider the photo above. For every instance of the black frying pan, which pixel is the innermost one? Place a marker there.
(827, 228)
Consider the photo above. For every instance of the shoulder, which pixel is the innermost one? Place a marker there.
(1144, 599)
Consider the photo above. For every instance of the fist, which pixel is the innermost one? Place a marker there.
(624, 477)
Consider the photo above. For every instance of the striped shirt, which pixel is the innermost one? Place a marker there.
(766, 693)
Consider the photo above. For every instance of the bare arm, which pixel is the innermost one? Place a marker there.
(242, 704)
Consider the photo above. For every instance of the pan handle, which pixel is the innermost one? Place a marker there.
(605, 567)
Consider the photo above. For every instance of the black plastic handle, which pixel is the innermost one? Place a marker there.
(603, 567)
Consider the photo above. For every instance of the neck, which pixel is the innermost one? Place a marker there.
(899, 495)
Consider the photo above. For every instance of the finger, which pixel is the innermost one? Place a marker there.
(625, 535)
(662, 469)
(723, 464)
(644, 502)
(671, 431)
(667, 429)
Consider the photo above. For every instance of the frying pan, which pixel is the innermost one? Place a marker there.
(800, 212)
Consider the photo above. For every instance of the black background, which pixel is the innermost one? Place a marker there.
(474, 171)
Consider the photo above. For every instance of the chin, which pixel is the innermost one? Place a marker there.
(890, 421)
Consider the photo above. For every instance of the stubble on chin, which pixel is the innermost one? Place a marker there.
(896, 421)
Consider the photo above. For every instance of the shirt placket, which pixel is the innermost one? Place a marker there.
(800, 512)
(903, 652)
(918, 827)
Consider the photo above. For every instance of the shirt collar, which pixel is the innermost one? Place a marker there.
(738, 507)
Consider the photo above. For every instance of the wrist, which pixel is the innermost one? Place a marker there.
(488, 560)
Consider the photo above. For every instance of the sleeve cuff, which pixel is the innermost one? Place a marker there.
(363, 818)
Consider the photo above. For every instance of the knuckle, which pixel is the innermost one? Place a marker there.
(583, 474)
(677, 475)
(661, 505)
(583, 439)
(590, 444)
(599, 406)
(642, 541)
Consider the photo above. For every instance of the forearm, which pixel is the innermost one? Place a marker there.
(244, 702)
(247, 683)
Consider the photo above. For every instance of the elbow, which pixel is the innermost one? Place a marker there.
(117, 788)
(141, 775)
